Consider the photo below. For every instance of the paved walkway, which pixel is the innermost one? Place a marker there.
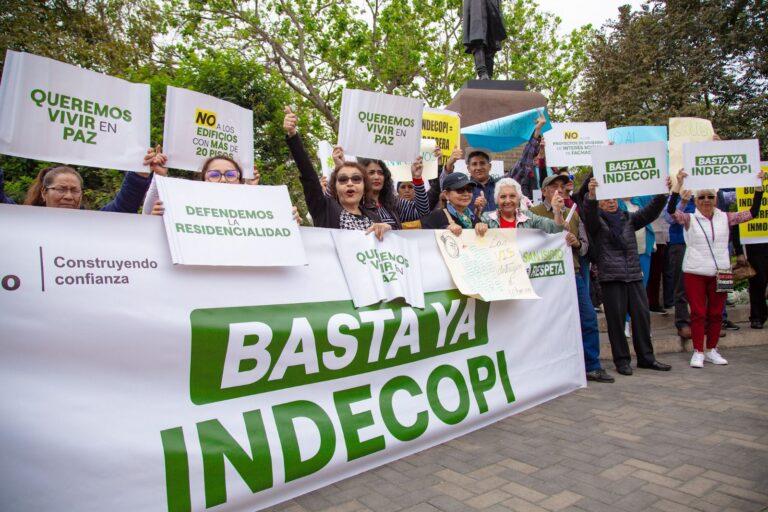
(680, 441)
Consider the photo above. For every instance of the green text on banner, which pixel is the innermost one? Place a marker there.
(192, 388)
(229, 225)
(198, 126)
(629, 170)
(721, 164)
(56, 112)
(380, 126)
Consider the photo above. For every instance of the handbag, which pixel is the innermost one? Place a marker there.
(723, 278)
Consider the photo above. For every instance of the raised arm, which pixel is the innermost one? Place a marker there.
(591, 218)
(753, 212)
(649, 212)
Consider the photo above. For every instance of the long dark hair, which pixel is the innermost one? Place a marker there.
(44, 179)
(388, 195)
(229, 159)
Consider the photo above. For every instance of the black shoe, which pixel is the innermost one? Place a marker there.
(599, 376)
(658, 309)
(624, 370)
(727, 324)
(756, 325)
(655, 366)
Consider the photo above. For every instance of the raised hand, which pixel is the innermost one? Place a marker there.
(592, 187)
(480, 202)
(417, 168)
(338, 156)
(256, 177)
(558, 203)
(456, 154)
(290, 122)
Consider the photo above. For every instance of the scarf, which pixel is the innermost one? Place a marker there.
(615, 221)
(465, 219)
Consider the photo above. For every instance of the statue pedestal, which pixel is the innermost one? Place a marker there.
(482, 100)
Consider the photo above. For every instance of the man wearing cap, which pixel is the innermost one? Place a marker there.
(479, 167)
(457, 189)
(576, 238)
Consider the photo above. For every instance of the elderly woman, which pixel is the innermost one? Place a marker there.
(706, 233)
(508, 195)
(612, 232)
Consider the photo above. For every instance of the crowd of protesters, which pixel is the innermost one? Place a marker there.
(636, 256)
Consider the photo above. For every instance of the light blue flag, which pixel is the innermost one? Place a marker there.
(507, 132)
(637, 134)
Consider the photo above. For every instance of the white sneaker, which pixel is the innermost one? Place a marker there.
(697, 360)
(714, 357)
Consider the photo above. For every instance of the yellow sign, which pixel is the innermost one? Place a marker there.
(444, 127)
(205, 117)
(682, 130)
(756, 230)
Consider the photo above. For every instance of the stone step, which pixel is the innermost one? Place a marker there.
(736, 314)
(666, 341)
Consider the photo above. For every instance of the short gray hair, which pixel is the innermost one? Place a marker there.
(507, 182)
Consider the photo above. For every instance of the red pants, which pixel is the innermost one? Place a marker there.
(706, 309)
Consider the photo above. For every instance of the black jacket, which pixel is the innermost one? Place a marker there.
(325, 210)
(616, 263)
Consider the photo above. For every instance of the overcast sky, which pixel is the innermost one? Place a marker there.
(575, 13)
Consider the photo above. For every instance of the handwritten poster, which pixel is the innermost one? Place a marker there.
(487, 268)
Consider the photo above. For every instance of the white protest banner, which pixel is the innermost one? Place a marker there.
(682, 130)
(721, 164)
(379, 271)
(198, 126)
(570, 144)
(380, 126)
(756, 230)
(56, 112)
(444, 126)
(229, 225)
(149, 386)
(629, 170)
(401, 171)
(488, 267)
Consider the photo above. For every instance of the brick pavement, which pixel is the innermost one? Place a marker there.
(688, 440)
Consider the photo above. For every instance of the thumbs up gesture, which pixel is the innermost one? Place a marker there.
(290, 122)
(480, 202)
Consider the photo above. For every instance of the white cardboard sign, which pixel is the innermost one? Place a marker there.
(230, 225)
(401, 171)
(628, 170)
(380, 126)
(570, 144)
(56, 112)
(721, 164)
(198, 126)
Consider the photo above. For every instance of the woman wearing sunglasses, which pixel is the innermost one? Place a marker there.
(349, 185)
(706, 232)
(457, 214)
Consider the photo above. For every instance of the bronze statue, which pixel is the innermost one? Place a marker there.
(484, 31)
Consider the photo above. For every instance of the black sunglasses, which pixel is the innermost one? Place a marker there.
(356, 179)
(705, 197)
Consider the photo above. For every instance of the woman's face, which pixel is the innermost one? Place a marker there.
(508, 201)
(350, 186)
(705, 201)
(406, 191)
(64, 192)
(460, 198)
(376, 174)
(222, 171)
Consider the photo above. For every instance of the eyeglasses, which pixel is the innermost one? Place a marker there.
(373, 172)
(464, 190)
(229, 175)
(710, 197)
(62, 191)
(355, 178)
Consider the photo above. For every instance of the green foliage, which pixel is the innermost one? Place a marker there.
(678, 58)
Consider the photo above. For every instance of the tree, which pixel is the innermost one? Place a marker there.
(702, 58)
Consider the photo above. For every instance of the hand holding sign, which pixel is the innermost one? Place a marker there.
(417, 168)
(338, 156)
(592, 187)
(480, 203)
(456, 154)
(379, 229)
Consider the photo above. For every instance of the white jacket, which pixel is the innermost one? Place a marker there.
(698, 258)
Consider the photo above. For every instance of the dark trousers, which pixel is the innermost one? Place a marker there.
(620, 298)
(682, 315)
(757, 255)
(662, 277)
(483, 61)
